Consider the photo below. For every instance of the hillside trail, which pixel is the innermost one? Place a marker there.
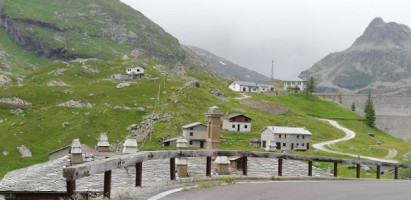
(349, 134)
(243, 96)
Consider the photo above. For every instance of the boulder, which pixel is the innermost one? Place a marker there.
(76, 104)
(15, 101)
(4, 80)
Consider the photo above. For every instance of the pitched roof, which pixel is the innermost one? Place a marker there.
(171, 139)
(192, 125)
(246, 83)
(288, 130)
(234, 115)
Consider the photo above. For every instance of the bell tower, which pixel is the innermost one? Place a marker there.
(213, 128)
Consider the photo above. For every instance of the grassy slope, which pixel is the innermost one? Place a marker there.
(22, 62)
(83, 23)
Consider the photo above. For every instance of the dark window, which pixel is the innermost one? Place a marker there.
(138, 70)
(303, 136)
(233, 125)
(302, 144)
(191, 133)
(279, 136)
(285, 136)
(245, 126)
(298, 136)
(264, 142)
(191, 128)
(191, 142)
(284, 144)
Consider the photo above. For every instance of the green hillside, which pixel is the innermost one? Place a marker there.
(40, 127)
(86, 28)
(15, 59)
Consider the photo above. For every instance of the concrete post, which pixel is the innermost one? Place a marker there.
(222, 163)
(182, 162)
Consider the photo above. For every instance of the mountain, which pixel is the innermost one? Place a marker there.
(378, 61)
(70, 29)
(228, 68)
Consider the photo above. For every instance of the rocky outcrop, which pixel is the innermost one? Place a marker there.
(24, 151)
(4, 80)
(15, 101)
(193, 83)
(76, 104)
(146, 127)
(58, 84)
(378, 61)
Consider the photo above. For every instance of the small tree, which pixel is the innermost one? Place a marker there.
(353, 106)
(310, 87)
(369, 111)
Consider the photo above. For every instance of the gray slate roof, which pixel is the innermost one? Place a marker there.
(244, 83)
(193, 125)
(235, 115)
(288, 130)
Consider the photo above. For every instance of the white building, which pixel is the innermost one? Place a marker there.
(293, 138)
(290, 85)
(242, 86)
(196, 134)
(135, 71)
(266, 88)
(237, 122)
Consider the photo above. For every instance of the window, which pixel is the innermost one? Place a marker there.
(298, 136)
(233, 126)
(191, 142)
(191, 128)
(191, 133)
(264, 143)
(285, 136)
(279, 136)
(284, 144)
(302, 144)
(245, 126)
(303, 136)
(297, 144)
(138, 70)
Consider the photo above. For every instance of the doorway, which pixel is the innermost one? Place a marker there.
(238, 127)
(292, 146)
(202, 144)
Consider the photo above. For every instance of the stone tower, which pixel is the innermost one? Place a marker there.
(213, 128)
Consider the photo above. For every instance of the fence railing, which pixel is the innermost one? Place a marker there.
(105, 166)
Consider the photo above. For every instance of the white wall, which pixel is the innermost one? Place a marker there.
(300, 84)
(135, 70)
(235, 87)
(288, 139)
(228, 126)
(198, 133)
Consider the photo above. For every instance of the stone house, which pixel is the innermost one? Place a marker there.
(196, 134)
(237, 122)
(292, 138)
(290, 85)
(179, 71)
(136, 72)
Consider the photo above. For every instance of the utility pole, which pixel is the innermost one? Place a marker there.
(272, 70)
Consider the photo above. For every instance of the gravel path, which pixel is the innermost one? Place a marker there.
(391, 154)
(349, 134)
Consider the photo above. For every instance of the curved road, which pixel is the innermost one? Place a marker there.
(349, 134)
(336, 190)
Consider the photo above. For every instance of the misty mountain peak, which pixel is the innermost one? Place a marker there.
(379, 33)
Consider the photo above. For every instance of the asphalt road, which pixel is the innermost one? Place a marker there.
(301, 190)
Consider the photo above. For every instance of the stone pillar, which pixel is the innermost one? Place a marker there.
(182, 162)
(76, 153)
(103, 145)
(222, 163)
(213, 128)
(271, 146)
(130, 146)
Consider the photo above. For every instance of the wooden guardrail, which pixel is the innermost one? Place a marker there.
(105, 166)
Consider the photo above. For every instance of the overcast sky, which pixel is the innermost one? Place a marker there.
(294, 33)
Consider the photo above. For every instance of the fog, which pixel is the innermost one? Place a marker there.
(294, 33)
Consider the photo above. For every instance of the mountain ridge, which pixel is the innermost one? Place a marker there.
(379, 61)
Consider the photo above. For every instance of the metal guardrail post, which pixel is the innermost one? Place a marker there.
(139, 173)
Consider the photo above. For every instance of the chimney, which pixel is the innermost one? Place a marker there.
(213, 128)
(76, 154)
(103, 145)
(130, 146)
(182, 162)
